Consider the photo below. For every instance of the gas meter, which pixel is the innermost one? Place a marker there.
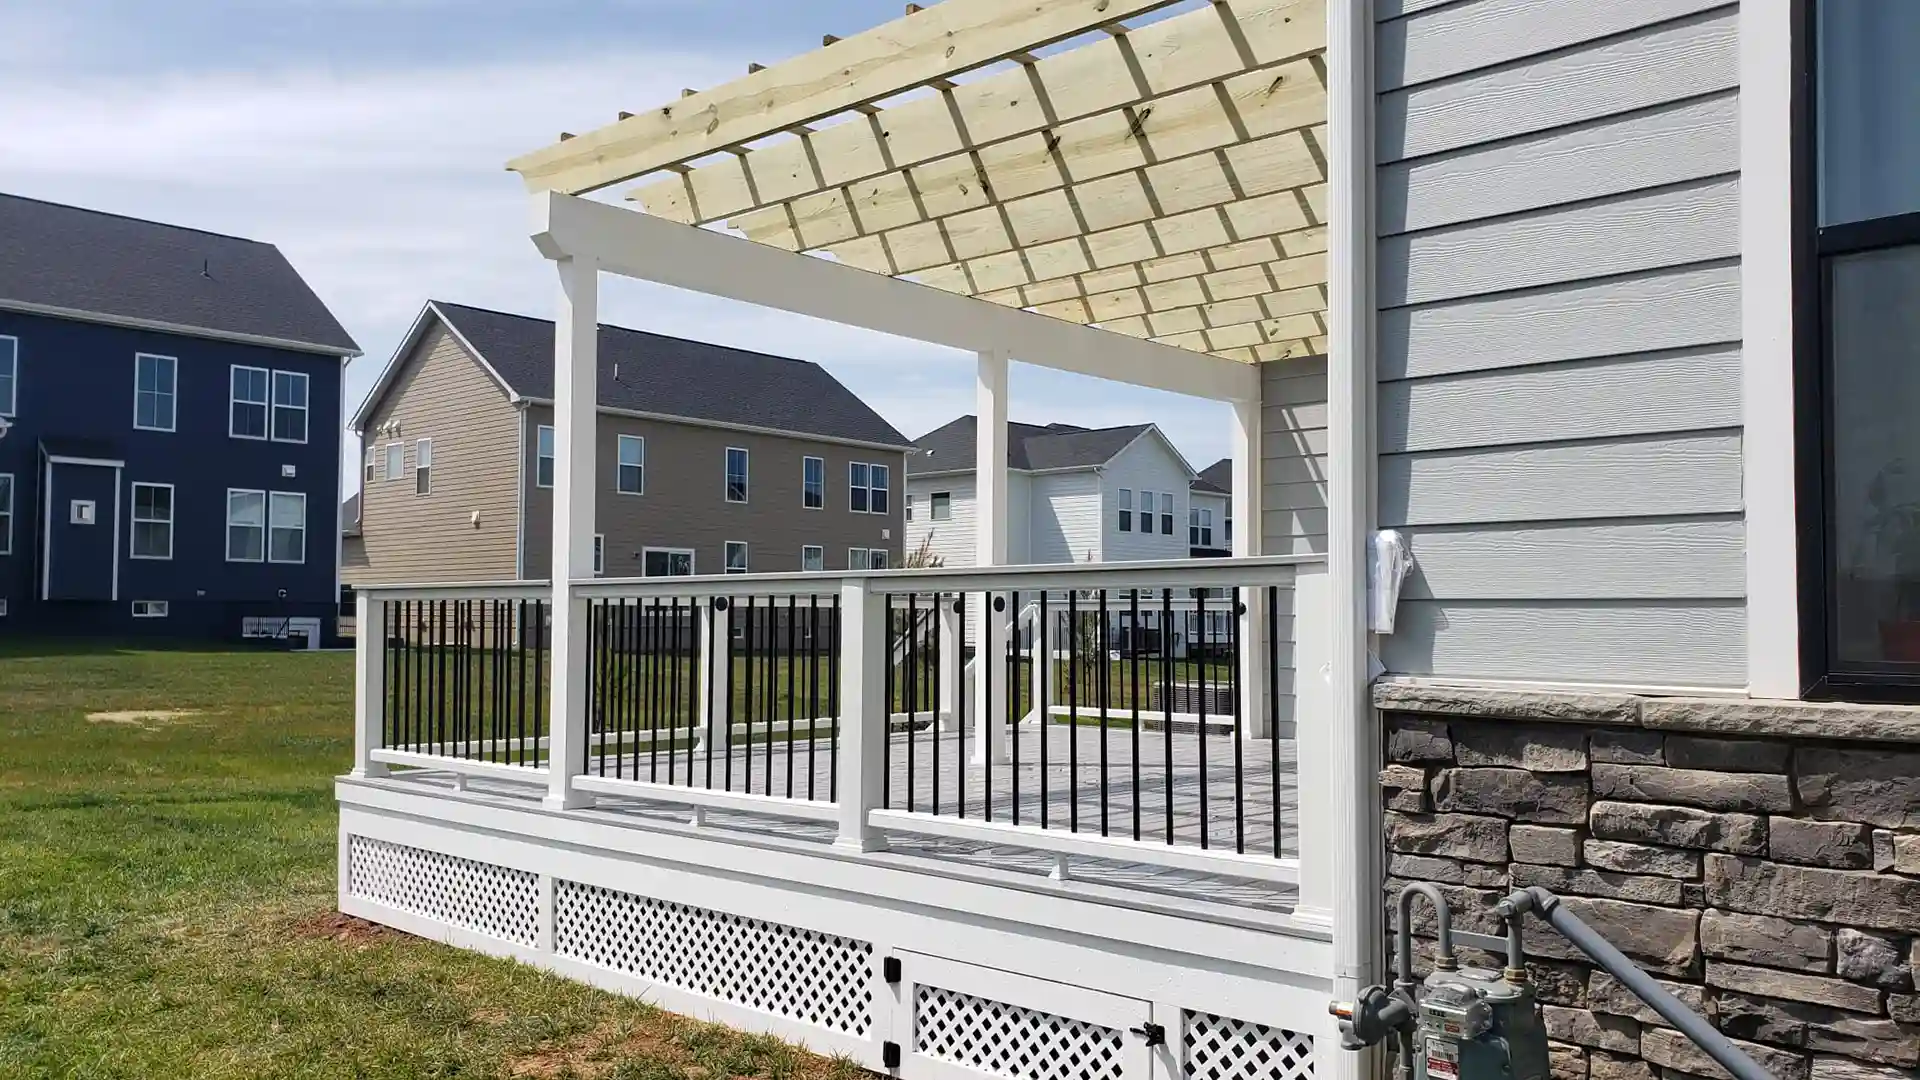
(1478, 1025)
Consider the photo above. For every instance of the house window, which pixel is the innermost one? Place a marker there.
(149, 609)
(543, 457)
(368, 471)
(940, 506)
(423, 467)
(736, 475)
(155, 389)
(1126, 509)
(813, 558)
(1858, 198)
(152, 521)
(857, 489)
(248, 407)
(631, 465)
(599, 554)
(287, 535)
(246, 525)
(9, 375)
(866, 558)
(868, 488)
(1199, 527)
(813, 483)
(1166, 513)
(666, 562)
(396, 461)
(909, 507)
(290, 406)
(6, 513)
(881, 480)
(736, 557)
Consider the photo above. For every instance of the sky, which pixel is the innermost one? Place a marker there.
(368, 138)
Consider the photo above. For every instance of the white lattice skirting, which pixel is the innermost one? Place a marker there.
(1222, 1048)
(476, 896)
(999, 1039)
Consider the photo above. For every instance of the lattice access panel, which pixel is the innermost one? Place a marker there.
(1222, 1048)
(999, 1039)
(493, 900)
(804, 975)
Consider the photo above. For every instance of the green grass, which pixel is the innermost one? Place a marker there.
(166, 901)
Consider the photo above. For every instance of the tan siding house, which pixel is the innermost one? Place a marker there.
(475, 384)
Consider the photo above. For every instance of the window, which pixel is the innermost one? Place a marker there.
(857, 487)
(1199, 527)
(6, 513)
(9, 375)
(813, 558)
(881, 479)
(149, 609)
(867, 488)
(736, 475)
(1857, 210)
(287, 534)
(877, 559)
(630, 465)
(1126, 509)
(909, 507)
(423, 467)
(543, 457)
(666, 562)
(396, 461)
(247, 412)
(813, 483)
(246, 525)
(154, 391)
(940, 506)
(290, 406)
(1227, 527)
(736, 557)
(599, 554)
(866, 558)
(152, 521)
(1166, 513)
(367, 472)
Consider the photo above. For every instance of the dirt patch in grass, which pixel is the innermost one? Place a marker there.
(345, 929)
(146, 719)
(661, 1046)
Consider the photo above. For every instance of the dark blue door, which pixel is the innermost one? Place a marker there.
(82, 529)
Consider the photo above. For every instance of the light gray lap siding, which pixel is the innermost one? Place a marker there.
(1559, 402)
(1293, 457)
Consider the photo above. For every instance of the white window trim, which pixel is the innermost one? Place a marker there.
(12, 407)
(868, 487)
(232, 372)
(155, 609)
(620, 467)
(173, 396)
(302, 496)
(599, 554)
(6, 535)
(422, 465)
(135, 520)
(370, 472)
(266, 512)
(726, 476)
(726, 562)
(274, 407)
(816, 549)
(854, 564)
(538, 457)
(394, 451)
(933, 505)
(803, 482)
(692, 558)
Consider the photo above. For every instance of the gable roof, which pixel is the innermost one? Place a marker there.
(951, 447)
(656, 375)
(1216, 478)
(86, 264)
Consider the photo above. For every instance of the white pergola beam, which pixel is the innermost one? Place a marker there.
(640, 246)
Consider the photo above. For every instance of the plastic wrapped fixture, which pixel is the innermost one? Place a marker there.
(1388, 560)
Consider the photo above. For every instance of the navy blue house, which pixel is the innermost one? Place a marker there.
(171, 407)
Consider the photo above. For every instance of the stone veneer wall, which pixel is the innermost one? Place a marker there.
(1762, 859)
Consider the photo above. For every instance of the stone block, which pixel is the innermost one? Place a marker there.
(1608, 995)
(1840, 844)
(1747, 792)
(1759, 1019)
(1530, 706)
(1405, 788)
(1883, 852)
(1904, 1007)
(1456, 836)
(1878, 786)
(1815, 1027)
(1838, 1068)
(1906, 853)
(1446, 871)
(1552, 798)
(1693, 895)
(1414, 741)
(1642, 859)
(1846, 897)
(1567, 882)
(1535, 747)
(1624, 746)
(1544, 845)
(1587, 1028)
(1727, 755)
(1765, 940)
(1670, 1049)
(1793, 986)
(1679, 826)
(1662, 939)
(1558, 982)
(1872, 959)
(1868, 1038)
(1566, 1062)
(1604, 1066)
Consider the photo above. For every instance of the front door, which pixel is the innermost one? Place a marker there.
(80, 522)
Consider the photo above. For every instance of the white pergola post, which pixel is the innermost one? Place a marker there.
(865, 714)
(1256, 655)
(990, 549)
(575, 416)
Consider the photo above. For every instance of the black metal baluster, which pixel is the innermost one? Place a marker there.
(792, 660)
(1073, 710)
(939, 702)
(813, 691)
(912, 677)
(886, 652)
(960, 698)
(1043, 676)
(1010, 689)
(1206, 805)
(440, 725)
(833, 703)
(1273, 707)
(1166, 701)
(770, 693)
(720, 645)
(1239, 750)
(1106, 676)
(1133, 695)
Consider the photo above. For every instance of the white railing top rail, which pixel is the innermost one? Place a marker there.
(462, 590)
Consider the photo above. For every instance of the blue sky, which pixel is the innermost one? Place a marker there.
(367, 137)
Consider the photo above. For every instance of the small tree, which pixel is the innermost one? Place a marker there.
(924, 557)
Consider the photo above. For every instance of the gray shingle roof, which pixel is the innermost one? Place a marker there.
(1217, 478)
(56, 256)
(1029, 446)
(670, 376)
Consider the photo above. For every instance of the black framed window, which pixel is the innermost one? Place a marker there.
(1857, 214)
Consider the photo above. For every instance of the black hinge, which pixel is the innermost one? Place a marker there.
(890, 1055)
(890, 969)
(1155, 1034)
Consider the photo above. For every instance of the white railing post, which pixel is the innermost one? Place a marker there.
(990, 675)
(1318, 774)
(1256, 653)
(369, 683)
(950, 713)
(713, 660)
(864, 713)
(575, 423)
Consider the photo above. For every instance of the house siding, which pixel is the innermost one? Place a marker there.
(1148, 464)
(1559, 398)
(684, 505)
(1293, 457)
(465, 529)
(1071, 533)
(952, 540)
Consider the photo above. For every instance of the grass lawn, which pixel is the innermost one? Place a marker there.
(166, 900)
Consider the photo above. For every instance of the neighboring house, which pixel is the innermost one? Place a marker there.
(1073, 495)
(170, 406)
(353, 545)
(711, 459)
(1210, 510)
